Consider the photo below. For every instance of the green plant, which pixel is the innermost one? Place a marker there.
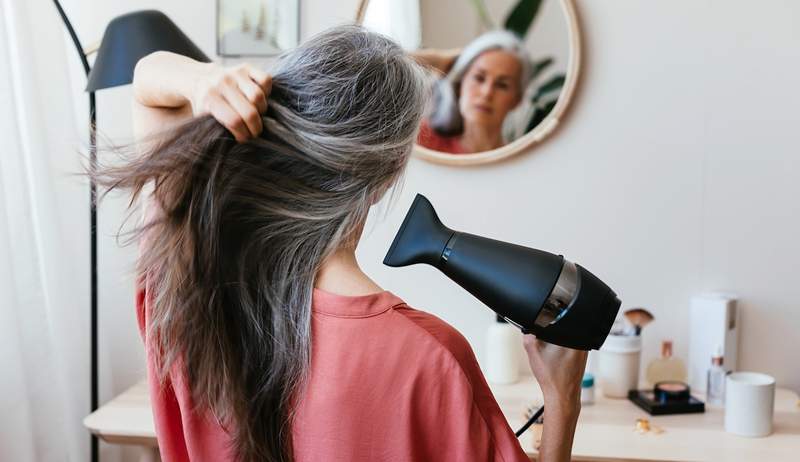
(521, 17)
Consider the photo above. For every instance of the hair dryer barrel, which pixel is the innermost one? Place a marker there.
(540, 292)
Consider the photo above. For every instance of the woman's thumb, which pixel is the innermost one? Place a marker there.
(528, 340)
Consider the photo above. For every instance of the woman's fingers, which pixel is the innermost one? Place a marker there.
(225, 114)
(260, 77)
(246, 109)
(529, 340)
(236, 97)
(253, 92)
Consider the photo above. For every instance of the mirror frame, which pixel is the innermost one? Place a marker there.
(545, 128)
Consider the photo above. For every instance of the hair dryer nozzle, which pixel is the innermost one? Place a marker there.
(421, 239)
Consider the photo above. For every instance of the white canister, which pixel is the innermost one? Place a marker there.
(503, 350)
(749, 403)
(618, 365)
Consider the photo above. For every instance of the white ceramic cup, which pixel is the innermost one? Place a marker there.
(618, 365)
(749, 403)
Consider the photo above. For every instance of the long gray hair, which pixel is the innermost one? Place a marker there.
(445, 117)
(244, 227)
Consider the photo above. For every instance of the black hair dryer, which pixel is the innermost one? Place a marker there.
(543, 294)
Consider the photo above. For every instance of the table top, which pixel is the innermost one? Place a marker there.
(125, 419)
(606, 429)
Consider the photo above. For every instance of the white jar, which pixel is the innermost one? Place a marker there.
(618, 365)
(749, 404)
(503, 352)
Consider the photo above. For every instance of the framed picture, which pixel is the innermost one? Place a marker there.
(257, 27)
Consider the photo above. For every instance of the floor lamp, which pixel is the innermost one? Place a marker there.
(127, 39)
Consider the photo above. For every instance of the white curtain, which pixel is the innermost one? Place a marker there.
(399, 19)
(44, 389)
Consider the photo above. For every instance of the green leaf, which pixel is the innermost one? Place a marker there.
(550, 87)
(521, 17)
(540, 65)
(483, 14)
(555, 83)
(539, 114)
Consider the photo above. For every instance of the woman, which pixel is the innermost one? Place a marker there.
(265, 341)
(473, 101)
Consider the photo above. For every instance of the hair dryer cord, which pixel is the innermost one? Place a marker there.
(530, 421)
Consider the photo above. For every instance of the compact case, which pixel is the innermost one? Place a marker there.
(667, 398)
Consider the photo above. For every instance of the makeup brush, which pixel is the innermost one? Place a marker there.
(638, 318)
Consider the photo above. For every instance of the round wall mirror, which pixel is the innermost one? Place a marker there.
(505, 70)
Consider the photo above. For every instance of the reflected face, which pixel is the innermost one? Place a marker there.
(490, 88)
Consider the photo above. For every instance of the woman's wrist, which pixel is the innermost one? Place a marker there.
(563, 402)
(567, 408)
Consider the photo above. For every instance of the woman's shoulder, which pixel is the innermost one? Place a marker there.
(441, 341)
(433, 326)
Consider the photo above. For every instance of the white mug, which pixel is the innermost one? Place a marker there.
(749, 403)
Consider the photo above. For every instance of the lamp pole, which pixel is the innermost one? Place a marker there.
(92, 222)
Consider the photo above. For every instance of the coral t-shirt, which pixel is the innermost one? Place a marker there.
(387, 383)
(428, 138)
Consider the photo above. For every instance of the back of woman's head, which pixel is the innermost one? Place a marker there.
(242, 228)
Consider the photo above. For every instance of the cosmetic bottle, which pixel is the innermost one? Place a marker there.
(715, 383)
(666, 368)
(503, 349)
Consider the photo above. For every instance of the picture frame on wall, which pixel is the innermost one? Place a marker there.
(257, 27)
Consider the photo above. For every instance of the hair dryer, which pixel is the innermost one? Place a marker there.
(541, 293)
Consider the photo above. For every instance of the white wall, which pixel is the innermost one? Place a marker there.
(674, 173)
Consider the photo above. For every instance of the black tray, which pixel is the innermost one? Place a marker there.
(645, 399)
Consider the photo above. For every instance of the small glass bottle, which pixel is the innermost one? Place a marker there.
(666, 368)
(715, 385)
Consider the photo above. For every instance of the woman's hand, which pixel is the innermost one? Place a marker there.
(235, 96)
(559, 372)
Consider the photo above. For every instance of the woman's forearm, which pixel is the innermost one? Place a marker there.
(165, 79)
(558, 431)
(439, 60)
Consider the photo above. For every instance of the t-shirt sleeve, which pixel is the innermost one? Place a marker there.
(459, 416)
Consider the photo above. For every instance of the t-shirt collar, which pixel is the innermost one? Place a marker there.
(353, 306)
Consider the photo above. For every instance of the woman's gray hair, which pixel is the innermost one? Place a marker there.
(243, 228)
(445, 117)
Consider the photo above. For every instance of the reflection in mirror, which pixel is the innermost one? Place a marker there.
(500, 65)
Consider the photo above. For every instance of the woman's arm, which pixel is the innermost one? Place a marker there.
(439, 60)
(559, 372)
(170, 88)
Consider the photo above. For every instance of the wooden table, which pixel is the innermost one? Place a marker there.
(605, 429)
(127, 419)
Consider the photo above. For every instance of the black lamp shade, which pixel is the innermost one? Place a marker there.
(131, 37)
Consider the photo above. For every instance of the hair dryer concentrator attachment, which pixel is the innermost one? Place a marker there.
(539, 292)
